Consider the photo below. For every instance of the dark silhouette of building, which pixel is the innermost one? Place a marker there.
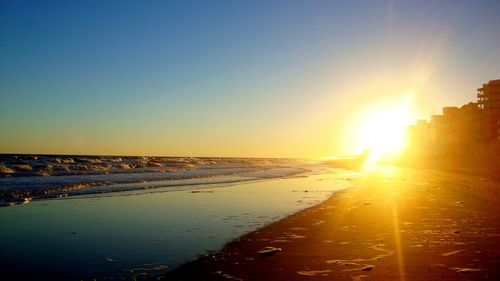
(465, 139)
(457, 130)
(471, 129)
(488, 98)
(420, 134)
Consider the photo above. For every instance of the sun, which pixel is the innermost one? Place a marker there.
(382, 128)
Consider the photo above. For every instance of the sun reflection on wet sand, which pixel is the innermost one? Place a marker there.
(393, 224)
(386, 172)
(397, 238)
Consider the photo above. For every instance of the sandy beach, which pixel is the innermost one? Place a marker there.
(393, 224)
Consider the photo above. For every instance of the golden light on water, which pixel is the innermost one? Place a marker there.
(382, 128)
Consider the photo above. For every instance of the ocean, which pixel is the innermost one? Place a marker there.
(126, 218)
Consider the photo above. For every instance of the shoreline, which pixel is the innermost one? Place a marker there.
(161, 229)
(415, 224)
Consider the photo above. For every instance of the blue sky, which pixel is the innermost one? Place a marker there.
(229, 78)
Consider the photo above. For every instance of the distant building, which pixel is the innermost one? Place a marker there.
(423, 132)
(457, 130)
(419, 134)
(471, 130)
(437, 128)
(488, 99)
(450, 111)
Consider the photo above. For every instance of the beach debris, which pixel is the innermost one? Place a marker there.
(465, 269)
(314, 272)
(269, 251)
(452, 253)
(227, 276)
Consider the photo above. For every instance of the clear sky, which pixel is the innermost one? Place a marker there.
(230, 78)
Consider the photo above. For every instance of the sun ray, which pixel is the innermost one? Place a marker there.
(397, 238)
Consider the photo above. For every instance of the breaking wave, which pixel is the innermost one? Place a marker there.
(26, 177)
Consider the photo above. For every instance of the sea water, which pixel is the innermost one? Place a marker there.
(27, 177)
(144, 232)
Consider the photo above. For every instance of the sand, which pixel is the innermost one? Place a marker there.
(393, 224)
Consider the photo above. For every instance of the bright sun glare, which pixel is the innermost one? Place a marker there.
(382, 129)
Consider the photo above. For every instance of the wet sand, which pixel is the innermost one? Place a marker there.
(394, 224)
